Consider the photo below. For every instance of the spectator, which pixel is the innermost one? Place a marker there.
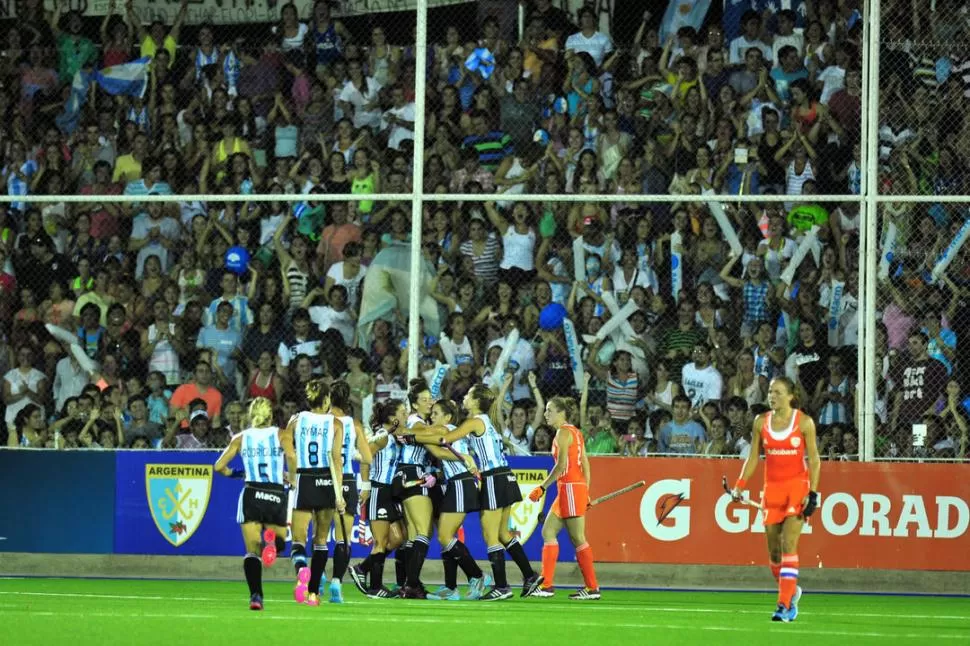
(197, 388)
(23, 386)
(701, 381)
(919, 381)
(681, 435)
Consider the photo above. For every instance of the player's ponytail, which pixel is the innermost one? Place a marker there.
(317, 392)
(567, 406)
(261, 413)
(384, 412)
(340, 396)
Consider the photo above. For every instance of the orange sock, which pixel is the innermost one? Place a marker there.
(584, 556)
(775, 570)
(550, 554)
(788, 579)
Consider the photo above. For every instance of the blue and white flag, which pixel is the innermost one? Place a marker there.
(67, 121)
(130, 79)
(684, 13)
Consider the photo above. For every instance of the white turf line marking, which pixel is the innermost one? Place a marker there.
(599, 606)
(435, 620)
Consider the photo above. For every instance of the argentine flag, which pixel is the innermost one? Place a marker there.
(130, 79)
(684, 13)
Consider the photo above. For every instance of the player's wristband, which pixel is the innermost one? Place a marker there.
(740, 484)
(365, 486)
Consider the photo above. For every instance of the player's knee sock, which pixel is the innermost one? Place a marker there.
(550, 554)
(298, 556)
(496, 556)
(401, 557)
(788, 578)
(317, 564)
(514, 548)
(584, 556)
(465, 561)
(775, 570)
(367, 563)
(377, 570)
(341, 558)
(253, 567)
(280, 544)
(451, 570)
(419, 550)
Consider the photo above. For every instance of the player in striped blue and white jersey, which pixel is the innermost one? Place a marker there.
(460, 497)
(384, 512)
(265, 450)
(499, 492)
(318, 461)
(355, 441)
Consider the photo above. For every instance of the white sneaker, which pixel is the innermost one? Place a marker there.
(543, 593)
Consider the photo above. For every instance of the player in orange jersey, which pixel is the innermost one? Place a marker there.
(572, 476)
(791, 486)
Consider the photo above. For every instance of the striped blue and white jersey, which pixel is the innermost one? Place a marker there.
(350, 441)
(453, 469)
(413, 454)
(488, 446)
(384, 463)
(313, 439)
(262, 455)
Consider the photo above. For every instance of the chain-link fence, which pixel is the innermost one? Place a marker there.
(680, 308)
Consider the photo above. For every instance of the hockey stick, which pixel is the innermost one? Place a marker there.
(618, 492)
(609, 496)
(743, 501)
(460, 457)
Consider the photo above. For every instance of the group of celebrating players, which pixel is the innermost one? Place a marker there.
(422, 469)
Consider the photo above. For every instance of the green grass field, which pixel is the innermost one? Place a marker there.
(77, 612)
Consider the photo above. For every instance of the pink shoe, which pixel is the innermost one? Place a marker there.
(313, 599)
(300, 593)
(269, 551)
(303, 576)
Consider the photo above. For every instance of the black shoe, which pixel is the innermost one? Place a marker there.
(359, 577)
(497, 594)
(382, 593)
(408, 592)
(531, 584)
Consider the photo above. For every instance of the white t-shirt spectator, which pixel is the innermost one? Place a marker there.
(598, 45)
(396, 133)
(352, 285)
(833, 80)
(18, 382)
(740, 46)
(701, 384)
(360, 98)
(325, 318)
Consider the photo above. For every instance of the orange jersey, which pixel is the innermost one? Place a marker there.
(784, 450)
(574, 461)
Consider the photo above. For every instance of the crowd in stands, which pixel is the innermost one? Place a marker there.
(753, 103)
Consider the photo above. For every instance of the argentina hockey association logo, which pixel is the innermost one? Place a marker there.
(178, 496)
(524, 517)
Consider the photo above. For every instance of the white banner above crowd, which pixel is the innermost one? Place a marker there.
(230, 12)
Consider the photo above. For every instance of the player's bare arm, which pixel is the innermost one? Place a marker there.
(751, 462)
(811, 450)
(222, 464)
(563, 440)
(337, 464)
(363, 446)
